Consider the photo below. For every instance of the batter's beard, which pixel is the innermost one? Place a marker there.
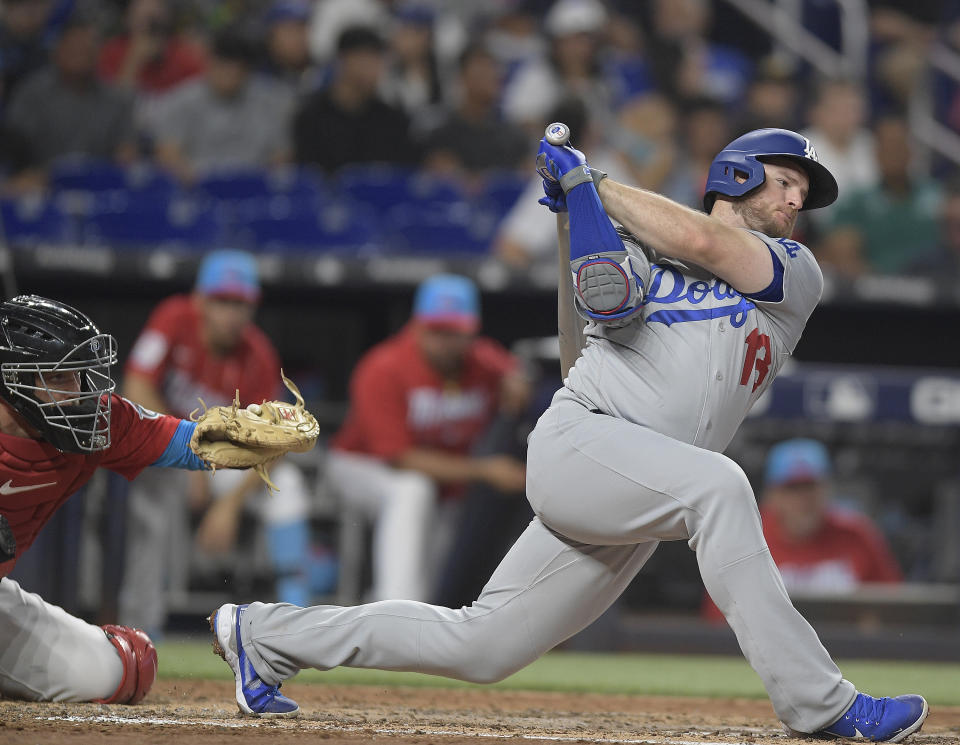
(754, 219)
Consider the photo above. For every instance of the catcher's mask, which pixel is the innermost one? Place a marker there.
(55, 371)
(745, 155)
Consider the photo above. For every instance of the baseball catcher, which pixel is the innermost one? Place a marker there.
(60, 420)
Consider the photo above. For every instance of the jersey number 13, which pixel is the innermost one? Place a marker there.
(757, 343)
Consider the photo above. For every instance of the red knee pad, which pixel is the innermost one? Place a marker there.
(139, 658)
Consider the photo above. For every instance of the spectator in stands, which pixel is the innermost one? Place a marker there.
(150, 56)
(942, 262)
(881, 228)
(331, 18)
(418, 402)
(20, 171)
(65, 110)
(346, 122)
(838, 124)
(288, 61)
(573, 68)
(685, 63)
(818, 547)
(412, 78)
(772, 98)
(205, 345)
(26, 37)
(705, 130)
(228, 119)
(473, 138)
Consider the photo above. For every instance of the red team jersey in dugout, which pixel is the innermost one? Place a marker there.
(398, 402)
(171, 352)
(36, 478)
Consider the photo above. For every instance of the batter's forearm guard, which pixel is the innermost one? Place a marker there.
(608, 281)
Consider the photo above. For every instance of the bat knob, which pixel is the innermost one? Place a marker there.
(557, 133)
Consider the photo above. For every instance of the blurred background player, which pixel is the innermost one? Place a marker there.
(206, 346)
(419, 401)
(818, 546)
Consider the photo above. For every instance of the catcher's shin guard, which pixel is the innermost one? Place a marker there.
(139, 658)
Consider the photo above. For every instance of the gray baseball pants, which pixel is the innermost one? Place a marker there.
(605, 492)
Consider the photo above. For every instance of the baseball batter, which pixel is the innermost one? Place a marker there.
(691, 316)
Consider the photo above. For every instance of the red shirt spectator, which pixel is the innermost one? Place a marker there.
(818, 548)
(399, 401)
(172, 354)
(150, 56)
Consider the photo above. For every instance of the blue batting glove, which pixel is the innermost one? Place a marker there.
(555, 200)
(565, 165)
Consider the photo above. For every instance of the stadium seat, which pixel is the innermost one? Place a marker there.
(34, 220)
(501, 190)
(382, 187)
(241, 184)
(335, 225)
(138, 221)
(458, 227)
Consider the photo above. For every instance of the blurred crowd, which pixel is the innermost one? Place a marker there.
(463, 90)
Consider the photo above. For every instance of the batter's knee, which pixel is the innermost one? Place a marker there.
(494, 651)
(139, 659)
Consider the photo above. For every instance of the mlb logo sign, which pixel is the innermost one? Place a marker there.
(287, 414)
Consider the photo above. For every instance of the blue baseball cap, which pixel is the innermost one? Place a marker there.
(449, 301)
(797, 461)
(229, 274)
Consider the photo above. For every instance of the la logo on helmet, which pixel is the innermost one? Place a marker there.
(809, 151)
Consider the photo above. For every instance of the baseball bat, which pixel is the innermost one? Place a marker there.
(569, 324)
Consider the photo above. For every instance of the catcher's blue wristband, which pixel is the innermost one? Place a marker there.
(178, 453)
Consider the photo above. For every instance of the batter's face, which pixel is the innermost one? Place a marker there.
(773, 208)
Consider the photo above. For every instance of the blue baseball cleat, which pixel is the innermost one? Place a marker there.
(254, 697)
(880, 719)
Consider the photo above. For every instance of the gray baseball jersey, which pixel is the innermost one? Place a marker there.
(626, 456)
(702, 353)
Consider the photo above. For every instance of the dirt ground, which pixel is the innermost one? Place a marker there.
(181, 712)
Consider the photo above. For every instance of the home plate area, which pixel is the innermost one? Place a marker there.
(188, 711)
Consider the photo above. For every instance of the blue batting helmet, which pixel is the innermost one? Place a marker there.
(745, 155)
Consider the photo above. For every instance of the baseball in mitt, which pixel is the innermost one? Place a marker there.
(253, 436)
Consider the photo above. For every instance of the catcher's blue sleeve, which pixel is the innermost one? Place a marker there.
(591, 231)
(178, 453)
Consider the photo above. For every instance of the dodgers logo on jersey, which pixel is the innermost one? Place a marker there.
(668, 287)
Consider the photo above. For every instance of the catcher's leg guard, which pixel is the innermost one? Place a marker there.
(139, 658)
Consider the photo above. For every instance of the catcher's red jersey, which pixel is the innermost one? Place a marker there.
(36, 478)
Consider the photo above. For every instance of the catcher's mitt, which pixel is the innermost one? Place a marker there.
(255, 436)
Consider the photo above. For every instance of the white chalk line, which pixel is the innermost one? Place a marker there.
(186, 722)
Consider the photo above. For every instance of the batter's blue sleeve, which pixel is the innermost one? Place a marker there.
(591, 231)
(178, 453)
